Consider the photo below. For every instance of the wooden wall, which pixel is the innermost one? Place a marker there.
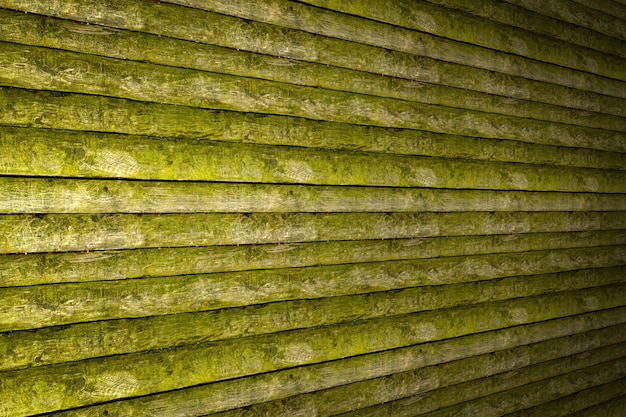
(312, 208)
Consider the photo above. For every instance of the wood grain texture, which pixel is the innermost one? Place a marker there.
(579, 15)
(254, 389)
(281, 207)
(450, 24)
(79, 154)
(496, 404)
(513, 15)
(29, 67)
(98, 380)
(608, 409)
(40, 195)
(84, 232)
(351, 28)
(579, 401)
(48, 32)
(541, 391)
(612, 8)
(58, 304)
(50, 268)
(104, 114)
(83, 341)
(165, 19)
(373, 392)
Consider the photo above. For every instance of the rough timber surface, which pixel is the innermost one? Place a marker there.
(138, 46)
(252, 390)
(312, 208)
(212, 28)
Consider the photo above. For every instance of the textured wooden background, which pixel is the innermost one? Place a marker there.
(312, 208)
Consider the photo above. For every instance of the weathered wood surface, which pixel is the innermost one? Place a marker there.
(55, 345)
(311, 207)
(431, 403)
(267, 387)
(537, 392)
(608, 409)
(57, 387)
(81, 232)
(38, 30)
(165, 19)
(450, 24)
(511, 15)
(29, 67)
(59, 304)
(579, 401)
(612, 8)
(347, 398)
(578, 14)
(50, 268)
(41, 195)
(81, 154)
(351, 28)
(104, 114)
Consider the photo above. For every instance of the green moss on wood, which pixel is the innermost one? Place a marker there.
(596, 367)
(96, 113)
(428, 19)
(49, 268)
(538, 392)
(579, 401)
(165, 19)
(85, 340)
(610, 7)
(79, 154)
(372, 392)
(606, 409)
(80, 232)
(271, 386)
(352, 28)
(40, 195)
(42, 68)
(59, 304)
(88, 382)
(579, 15)
(513, 15)
(38, 30)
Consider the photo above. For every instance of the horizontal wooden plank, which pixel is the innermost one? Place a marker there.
(569, 405)
(84, 232)
(351, 28)
(579, 15)
(507, 13)
(30, 29)
(434, 20)
(96, 113)
(500, 403)
(58, 387)
(69, 343)
(50, 268)
(58, 304)
(540, 391)
(270, 386)
(612, 8)
(381, 390)
(212, 28)
(513, 15)
(42, 152)
(606, 409)
(40, 195)
(43, 68)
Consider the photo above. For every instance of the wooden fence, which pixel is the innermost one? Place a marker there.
(312, 208)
